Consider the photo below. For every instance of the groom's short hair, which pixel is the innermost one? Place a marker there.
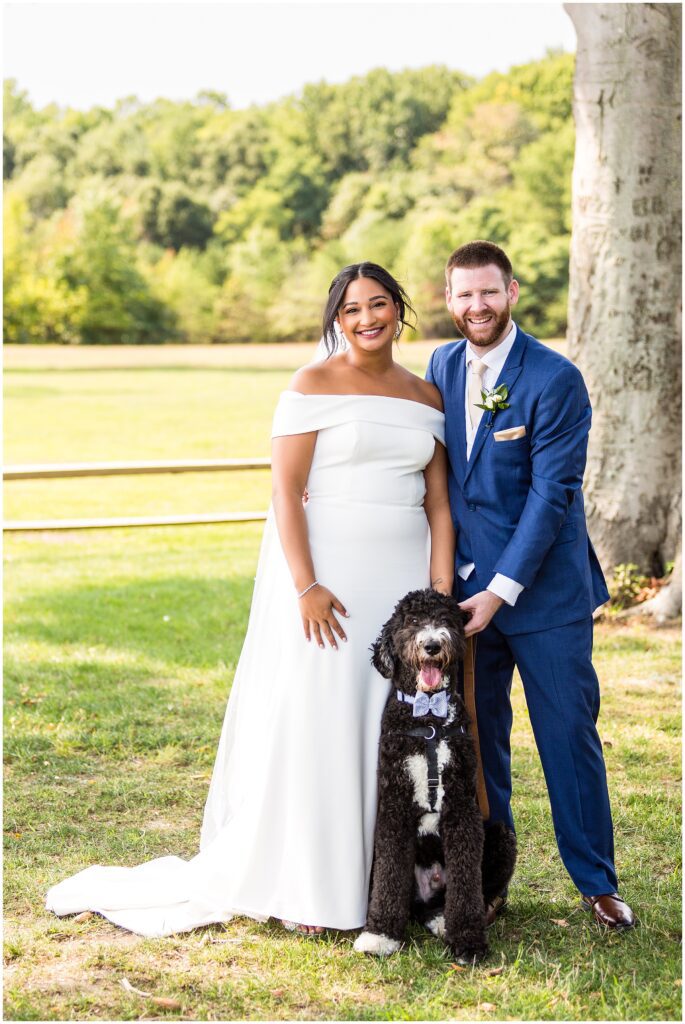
(479, 254)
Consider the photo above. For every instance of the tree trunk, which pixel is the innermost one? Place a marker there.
(625, 276)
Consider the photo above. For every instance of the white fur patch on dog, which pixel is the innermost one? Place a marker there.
(428, 824)
(416, 765)
(377, 945)
(437, 926)
(437, 633)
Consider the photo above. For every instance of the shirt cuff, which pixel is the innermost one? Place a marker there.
(506, 588)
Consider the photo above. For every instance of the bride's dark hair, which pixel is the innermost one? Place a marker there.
(336, 294)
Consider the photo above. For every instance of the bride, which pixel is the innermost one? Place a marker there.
(289, 820)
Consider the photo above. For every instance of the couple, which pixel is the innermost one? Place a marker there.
(394, 468)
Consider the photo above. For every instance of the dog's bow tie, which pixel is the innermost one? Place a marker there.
(425, 705)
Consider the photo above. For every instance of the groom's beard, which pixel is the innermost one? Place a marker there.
(481, 339)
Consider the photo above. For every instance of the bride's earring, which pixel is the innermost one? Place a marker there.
(398, 330)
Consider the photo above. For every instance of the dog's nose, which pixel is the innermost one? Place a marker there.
(431, 647)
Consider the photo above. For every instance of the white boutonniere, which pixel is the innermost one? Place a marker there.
(494, 400)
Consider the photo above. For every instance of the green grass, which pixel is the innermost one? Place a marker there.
(119, 652)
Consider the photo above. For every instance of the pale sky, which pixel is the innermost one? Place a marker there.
(83, 54)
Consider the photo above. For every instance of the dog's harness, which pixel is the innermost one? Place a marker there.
(432, 733)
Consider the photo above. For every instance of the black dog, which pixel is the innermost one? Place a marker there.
(430, 848)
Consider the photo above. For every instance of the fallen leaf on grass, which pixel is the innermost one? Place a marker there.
(487, 1007)
(678, 982)
(163, 1001)
(496, 970)
(85, 916)
(561, 921)
(457, 967)
(278, 993)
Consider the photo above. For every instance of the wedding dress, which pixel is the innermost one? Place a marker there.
(289, 820)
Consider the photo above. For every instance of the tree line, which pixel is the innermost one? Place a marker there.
(193, 222)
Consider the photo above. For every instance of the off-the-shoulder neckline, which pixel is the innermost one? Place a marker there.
(387, 398)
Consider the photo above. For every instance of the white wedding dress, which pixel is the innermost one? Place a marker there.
(289, 821)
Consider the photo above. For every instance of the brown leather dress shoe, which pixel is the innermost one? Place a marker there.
(494, 909)
(610, 910)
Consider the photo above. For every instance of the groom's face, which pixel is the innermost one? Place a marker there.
(480, 302)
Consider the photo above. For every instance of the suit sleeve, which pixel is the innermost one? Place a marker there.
(558, 454)
(430, 376)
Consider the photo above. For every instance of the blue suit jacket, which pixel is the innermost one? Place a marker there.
(517, 506)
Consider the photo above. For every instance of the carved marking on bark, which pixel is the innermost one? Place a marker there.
(646, 206)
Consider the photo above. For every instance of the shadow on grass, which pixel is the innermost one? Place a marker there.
(179, 621)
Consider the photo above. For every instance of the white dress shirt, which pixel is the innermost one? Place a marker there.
(494, 360)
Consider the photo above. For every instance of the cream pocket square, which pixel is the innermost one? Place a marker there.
(510, 434)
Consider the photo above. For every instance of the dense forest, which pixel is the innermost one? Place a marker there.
(190, 221)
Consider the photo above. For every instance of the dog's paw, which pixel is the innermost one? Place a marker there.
(437, 926)
(376, 945)
(467, 956)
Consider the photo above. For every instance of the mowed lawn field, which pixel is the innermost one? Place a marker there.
(120, 647)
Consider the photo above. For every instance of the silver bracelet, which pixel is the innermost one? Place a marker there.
(307, 589)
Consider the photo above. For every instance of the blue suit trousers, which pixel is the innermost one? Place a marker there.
(562, 694)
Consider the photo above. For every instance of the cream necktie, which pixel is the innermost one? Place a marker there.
(477, 368)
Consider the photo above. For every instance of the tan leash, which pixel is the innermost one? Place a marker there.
(470, 702)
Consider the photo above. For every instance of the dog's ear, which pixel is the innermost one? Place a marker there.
(383, 655)
(460, 617)
(459, 620)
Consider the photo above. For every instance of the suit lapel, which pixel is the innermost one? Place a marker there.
(509, 375)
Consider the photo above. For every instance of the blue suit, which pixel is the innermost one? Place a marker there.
(517, 508)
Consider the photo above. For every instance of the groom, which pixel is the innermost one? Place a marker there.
(526, 570)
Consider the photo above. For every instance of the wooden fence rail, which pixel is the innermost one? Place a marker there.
(54, 471)
(69, 469)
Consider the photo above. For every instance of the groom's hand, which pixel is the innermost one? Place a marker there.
(481, 607)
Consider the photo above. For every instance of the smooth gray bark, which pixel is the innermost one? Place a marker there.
(625, 277)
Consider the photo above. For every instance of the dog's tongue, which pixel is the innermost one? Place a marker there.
(430, 676)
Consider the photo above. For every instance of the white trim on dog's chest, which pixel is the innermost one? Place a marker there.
(416, 766)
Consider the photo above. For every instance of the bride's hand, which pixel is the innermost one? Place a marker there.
(318, 618)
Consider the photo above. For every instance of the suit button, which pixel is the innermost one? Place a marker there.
(472, 508)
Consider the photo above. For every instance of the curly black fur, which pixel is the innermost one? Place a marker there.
(474, 868)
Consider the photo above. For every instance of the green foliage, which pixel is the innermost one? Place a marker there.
(625, 585)
(38, 306)
(182, 283)
(172, 217)
(257, 270)
(42, 185)
(100, 262)
(374, 122)
(8, 157)
(421, 266)
(396, 167)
